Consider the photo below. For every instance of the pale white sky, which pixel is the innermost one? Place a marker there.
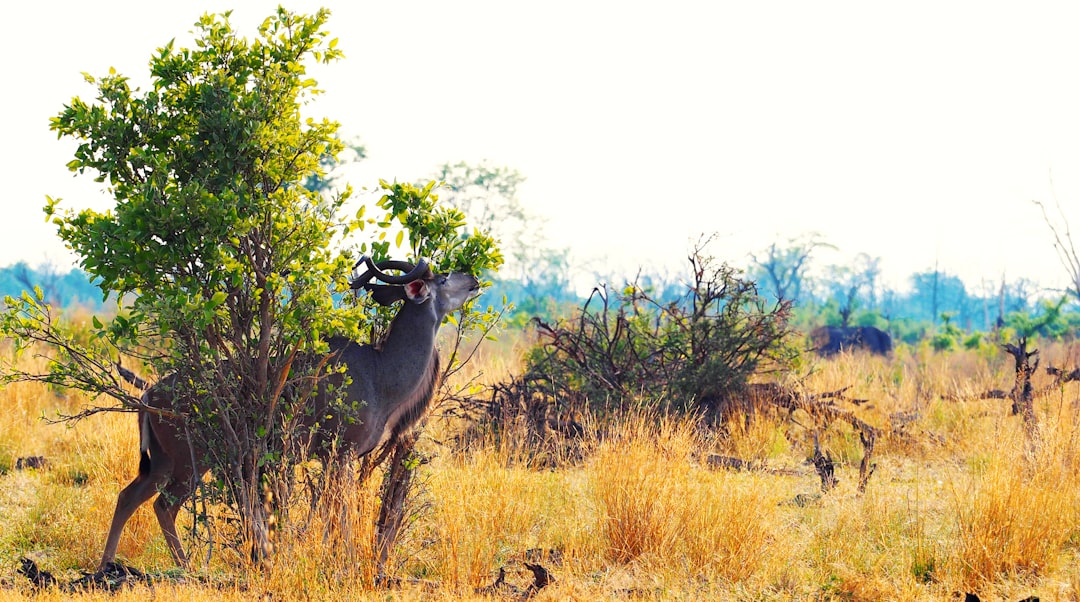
(917, 132)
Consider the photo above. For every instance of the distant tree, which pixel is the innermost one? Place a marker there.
(947, 334)
(1018, 295)
(781, 271)
(1007, 298)
(867, 274)
(854, 286)
(935, 292)
(489, 194)
(539, 274)
(57, 288)
(29, 280)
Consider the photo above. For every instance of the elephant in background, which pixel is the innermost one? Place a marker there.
(830, 340)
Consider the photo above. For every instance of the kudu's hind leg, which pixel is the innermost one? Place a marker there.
(131, 497)
(166, 507)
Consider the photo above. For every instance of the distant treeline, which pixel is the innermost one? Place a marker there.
(60, 289)
(936, 300)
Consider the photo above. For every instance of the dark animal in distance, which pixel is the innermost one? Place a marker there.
(391, 384)
(830, 340)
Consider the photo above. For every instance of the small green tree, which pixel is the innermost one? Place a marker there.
(1050, 319)
(947, 334)
(224, 263)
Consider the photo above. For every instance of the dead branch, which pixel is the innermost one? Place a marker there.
(1063, 244)
(822, 409)
(824, 466)
(1061, 376)
(866, 467)
(740, 465)
(1022, 393)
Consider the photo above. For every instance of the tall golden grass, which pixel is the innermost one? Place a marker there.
(961, 501)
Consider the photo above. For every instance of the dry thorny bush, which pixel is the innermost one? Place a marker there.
(694, 354)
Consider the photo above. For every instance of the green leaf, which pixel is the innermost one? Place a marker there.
(218, 298)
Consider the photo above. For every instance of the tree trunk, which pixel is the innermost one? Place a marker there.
(397, 484)
(1022, 393)
(824, 466)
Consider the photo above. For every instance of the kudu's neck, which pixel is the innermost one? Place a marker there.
(407, 350)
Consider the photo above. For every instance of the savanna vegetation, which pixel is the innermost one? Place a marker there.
(632, 506)
(662, 438)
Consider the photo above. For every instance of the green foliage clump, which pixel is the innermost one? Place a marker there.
(1049, 320)
(947, 335)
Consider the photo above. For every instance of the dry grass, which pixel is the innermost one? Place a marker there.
(963, 502)
(657, 506)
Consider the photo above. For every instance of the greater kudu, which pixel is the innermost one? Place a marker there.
(390, 384)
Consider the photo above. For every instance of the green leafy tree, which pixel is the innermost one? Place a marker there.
(224, 263)
(947, 334)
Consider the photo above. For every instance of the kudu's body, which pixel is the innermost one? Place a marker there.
(392, 384)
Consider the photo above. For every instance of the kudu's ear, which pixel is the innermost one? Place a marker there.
(417, 291)
(385, 294)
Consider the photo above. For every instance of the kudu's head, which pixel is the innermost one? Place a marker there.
(445, 292)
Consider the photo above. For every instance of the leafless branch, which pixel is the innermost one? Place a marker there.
(1063, 243)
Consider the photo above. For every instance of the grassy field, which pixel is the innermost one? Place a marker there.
(961, 501)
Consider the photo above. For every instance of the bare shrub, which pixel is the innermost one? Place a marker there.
(692, 354)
